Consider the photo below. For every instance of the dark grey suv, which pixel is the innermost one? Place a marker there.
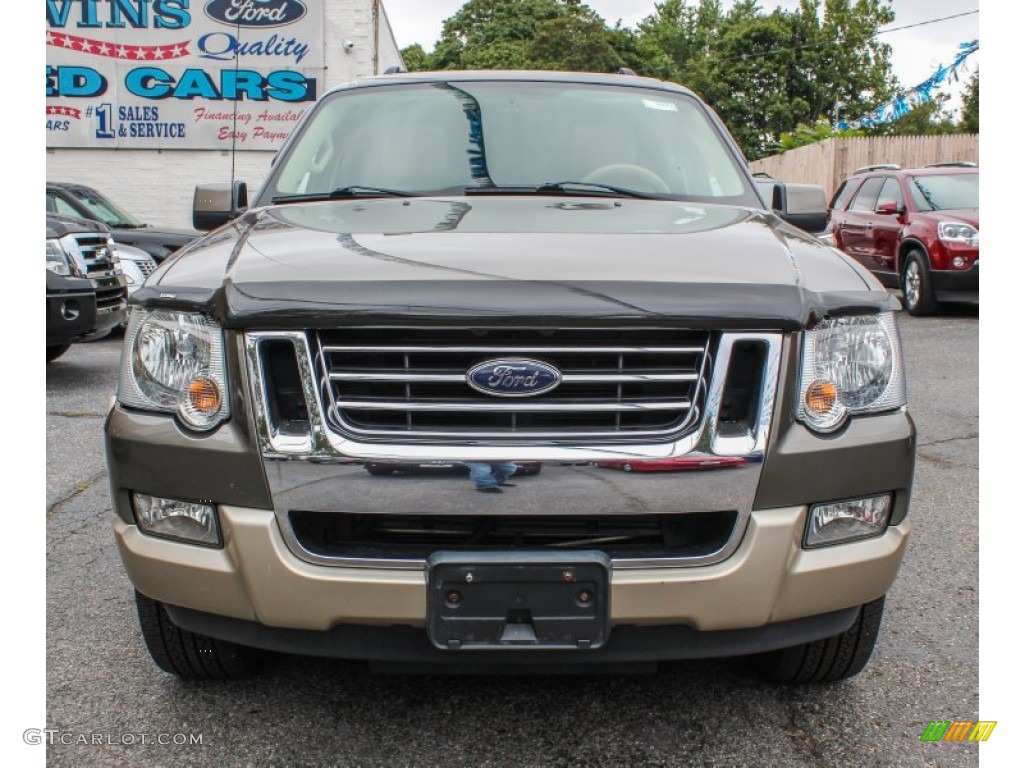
(493, 270)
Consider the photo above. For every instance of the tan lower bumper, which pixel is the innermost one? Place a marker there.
(768, 579)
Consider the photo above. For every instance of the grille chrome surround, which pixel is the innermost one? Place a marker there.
(626, 385)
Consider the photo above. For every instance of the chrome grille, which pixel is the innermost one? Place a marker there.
(99, 266)
(619, 384)
(95, 250)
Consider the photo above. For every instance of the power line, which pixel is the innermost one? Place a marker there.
(929, 21)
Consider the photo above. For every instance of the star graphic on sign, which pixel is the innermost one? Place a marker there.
(139, 53)
(67, 42)
(104, 50)
(179, 51)
(158, 53)
(122, 52)
(85, 45)
(49, 38)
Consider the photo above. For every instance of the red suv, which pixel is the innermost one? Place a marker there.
(915, 229)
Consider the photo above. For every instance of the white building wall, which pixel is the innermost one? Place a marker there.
(157, 186)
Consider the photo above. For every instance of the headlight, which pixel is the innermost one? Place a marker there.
(56, 259)
(64, 258)
(850, 365)
(132, 274)
(958, 232)
(174, 362)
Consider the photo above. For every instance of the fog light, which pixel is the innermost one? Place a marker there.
(959, 262)
(842, 521)
(180, 520)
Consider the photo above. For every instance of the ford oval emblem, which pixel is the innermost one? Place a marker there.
(256, 13)
(513, 377)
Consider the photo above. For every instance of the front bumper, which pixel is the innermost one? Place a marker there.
(255, 577)
(956, 285)
(70, 316)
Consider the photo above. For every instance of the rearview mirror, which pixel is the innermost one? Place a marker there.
(802, 205)
(889, 208)
(218, 203)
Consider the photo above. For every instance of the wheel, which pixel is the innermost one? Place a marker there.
(829, 660)
(378, 471)
(55, 351)
(916, 282)
(188, 655)
(626, 175)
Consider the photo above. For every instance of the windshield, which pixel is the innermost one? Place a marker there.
(103, 209)
(944, 193)
(475, 136)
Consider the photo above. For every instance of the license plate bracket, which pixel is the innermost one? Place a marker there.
(518, 601)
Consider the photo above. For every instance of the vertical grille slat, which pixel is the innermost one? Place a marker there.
(623, 384)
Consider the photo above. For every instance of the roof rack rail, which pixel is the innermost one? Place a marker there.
(625, 71)
(394, 70)
(879, 167)
(953, 164)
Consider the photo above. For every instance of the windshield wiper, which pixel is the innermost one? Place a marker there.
(565, 187)
(356, 190)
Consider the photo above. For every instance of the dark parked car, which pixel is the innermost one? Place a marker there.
(85, 290)
(915, 229)
(485, 268)
(86, 203)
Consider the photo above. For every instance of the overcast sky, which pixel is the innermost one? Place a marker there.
(916, 53)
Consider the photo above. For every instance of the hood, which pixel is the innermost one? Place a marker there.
(966, 215)
(58, 226)
(509, 259)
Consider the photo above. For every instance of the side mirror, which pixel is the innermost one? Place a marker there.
(802, 205)
(218, 203)
(889, 208)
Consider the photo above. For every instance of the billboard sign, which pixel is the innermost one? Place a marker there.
(180, 74)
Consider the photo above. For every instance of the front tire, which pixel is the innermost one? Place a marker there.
(916, 282)
(830, 660)
(188, 655)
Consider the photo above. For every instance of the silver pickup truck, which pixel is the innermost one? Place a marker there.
(510, 370)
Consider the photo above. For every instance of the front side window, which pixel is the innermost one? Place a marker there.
(473, 136)
(891, 193)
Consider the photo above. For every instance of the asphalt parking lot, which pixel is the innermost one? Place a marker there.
(318, 712)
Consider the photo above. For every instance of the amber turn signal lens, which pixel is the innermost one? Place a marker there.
(204, 396)
(820, 396)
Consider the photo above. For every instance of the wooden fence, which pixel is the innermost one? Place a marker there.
(829, 162)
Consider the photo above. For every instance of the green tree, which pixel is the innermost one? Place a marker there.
(766, 73)
(969, 122)
(805, 134)
(575, 41)
(493, 34)
(415, 58)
